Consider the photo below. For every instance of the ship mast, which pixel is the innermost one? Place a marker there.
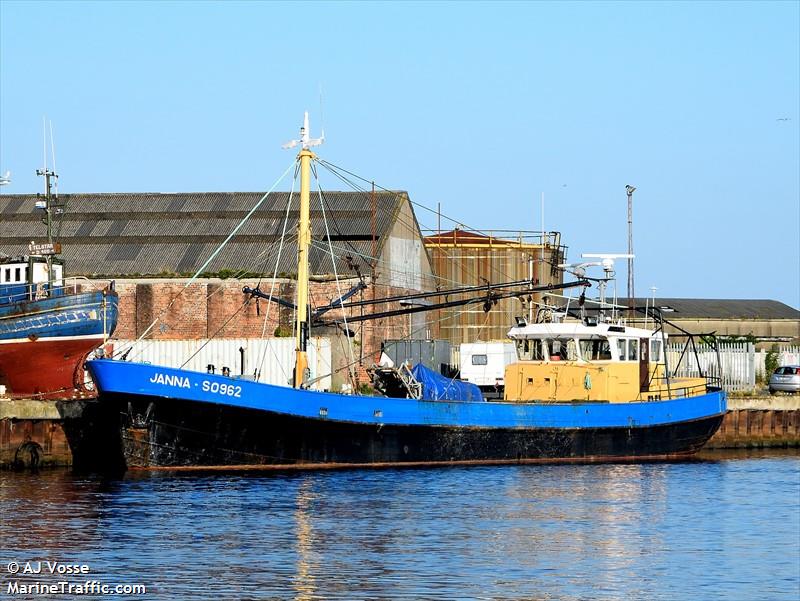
(305, 157)
(48, 219)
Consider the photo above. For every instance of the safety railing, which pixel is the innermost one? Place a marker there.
(17, 292)
(674, 388)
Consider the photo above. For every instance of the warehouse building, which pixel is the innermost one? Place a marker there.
(765, 321)
(463, 258)
(150, 243)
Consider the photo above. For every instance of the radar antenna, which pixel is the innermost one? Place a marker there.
(607, 263)
(305, 140)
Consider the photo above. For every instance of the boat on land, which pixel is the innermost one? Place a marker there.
(583, 389)
(49, 324)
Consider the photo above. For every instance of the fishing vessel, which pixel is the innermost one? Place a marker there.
(48, 323)
(584, 388)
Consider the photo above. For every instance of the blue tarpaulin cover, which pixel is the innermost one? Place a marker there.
(435, 387)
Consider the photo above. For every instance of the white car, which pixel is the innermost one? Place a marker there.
(785, 379)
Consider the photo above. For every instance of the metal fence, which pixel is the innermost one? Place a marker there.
(787, 355)
(273, 358)
(736, 365)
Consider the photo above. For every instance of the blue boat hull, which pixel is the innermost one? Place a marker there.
(177, 418)
(83, 314)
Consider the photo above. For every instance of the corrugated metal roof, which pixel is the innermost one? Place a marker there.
(709, 308)
(155, 234)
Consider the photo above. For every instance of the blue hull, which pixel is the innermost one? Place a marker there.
(83, 314)
(172, 417)
(119, 377)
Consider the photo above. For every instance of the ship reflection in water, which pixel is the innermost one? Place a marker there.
(724, 527)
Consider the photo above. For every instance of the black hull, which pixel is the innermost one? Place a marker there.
(170, 433)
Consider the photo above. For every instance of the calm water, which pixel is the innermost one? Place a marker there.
(727, 527)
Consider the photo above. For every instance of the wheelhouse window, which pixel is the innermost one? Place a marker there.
(633, 350)
(562, 349)
(655, 351)
(622, 346)
(530, 350)
(18, 274)
(595, 350)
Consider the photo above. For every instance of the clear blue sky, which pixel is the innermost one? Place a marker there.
(478, 106)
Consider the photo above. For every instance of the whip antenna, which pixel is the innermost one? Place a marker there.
(321, 114)
(44, 140)
(53, 154)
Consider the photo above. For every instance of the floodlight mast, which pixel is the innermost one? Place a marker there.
(629, 190)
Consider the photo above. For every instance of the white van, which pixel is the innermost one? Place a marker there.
(484, 364)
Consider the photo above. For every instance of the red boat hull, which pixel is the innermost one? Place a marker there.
(46, 367)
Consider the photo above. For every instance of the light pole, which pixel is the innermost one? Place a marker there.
(631, 294)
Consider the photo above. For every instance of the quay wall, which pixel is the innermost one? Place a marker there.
(33, 442)
(760, 422)
(46, 433)
(43, 433)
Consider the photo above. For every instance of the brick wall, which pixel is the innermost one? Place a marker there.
(218, 308)
(126, 324)
(182, 313)
(233, 315)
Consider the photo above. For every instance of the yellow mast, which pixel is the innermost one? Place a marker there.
(305, 157)
(303, 244)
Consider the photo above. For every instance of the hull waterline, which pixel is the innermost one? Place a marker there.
(184, 435)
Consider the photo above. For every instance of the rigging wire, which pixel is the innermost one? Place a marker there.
(439, 278)
(333, 261)
(386, 265)
(145, 345)
(338, 229)
(274, 278)
(213, 255)
(330, 247)
(214, 335)
(334, 168)
(412, 227)
(374, 349)
(244, 304)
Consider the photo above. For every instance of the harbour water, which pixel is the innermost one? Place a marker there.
(725, 526)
